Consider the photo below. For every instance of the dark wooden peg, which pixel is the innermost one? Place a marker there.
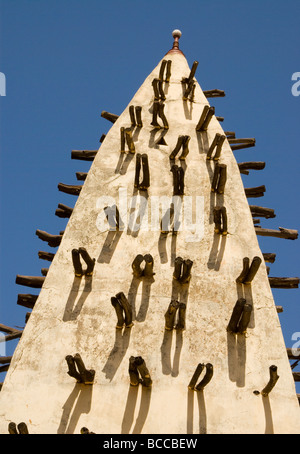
(209, 370)
(272, 381)
(78, 370)
(127, 309)
(171, 314)
(30, 281)
(113, 217)
(21, 429)
(220, 220)
(205, 118)
(219, 178)
(143, 371)
(119, 311)
(109, 116)
(52, 240)
(82, 252)
(178, 180)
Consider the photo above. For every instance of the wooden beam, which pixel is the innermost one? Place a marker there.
(284, 282)
(27, 300)
(81, 176)
(244, 167)
(52, 240)
(8, 329)
(262, 212)
(293, 353)
(230, 134)
(109, 116)
(69, 188)
(296, 376)
(258, 191)
(84, 155)
(4, 368)
(240, 145)
(269, 257)
(30, 281)
(5, 359)
(279, 309)
(288, 234)
(63, 211)
(214, 93)
(49, 256)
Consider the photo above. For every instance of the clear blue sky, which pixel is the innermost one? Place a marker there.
(65, 61)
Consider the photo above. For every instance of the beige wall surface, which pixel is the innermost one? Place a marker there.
(75, 315)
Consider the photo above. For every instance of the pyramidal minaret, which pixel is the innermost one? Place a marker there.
(156, 314)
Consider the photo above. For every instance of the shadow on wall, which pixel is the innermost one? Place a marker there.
(201, 409)
(236, 343)
(128, 418)
(140, 315)
(117, 353)
(72, 310)
(70, 415)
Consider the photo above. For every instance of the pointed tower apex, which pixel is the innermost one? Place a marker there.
(175, 49)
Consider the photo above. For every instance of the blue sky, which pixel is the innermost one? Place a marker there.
(65, 61)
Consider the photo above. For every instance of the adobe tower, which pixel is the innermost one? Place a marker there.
(156, 315)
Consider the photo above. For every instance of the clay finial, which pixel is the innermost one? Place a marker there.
(176, 35)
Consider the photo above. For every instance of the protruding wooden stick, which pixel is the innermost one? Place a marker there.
(133, 372)
(63, 211)
(220, 118)
(207, 114)
(27, 300)
(84, 155)
(49, 256)
(178, 146)
(293, 353)
(207, 377)
(171, 314)
(52, 240)
(238, 144)
(251, 165)
(102, 138)
(132, 116)
(296, 376)
(69, 188)
(5, 359)
(245, 319)
(168, 71)
(81, 374)
(252, 270)
(284, 282)
(113, 217)
(214, 93)
(82, 252)
(145, 183)
(149, 263)
(263, 212)
(129, 140)
(255, 192)
(272, 382)
(161, 113)
(119, 311)
(127, 309)
(13, 333)
(269, 257)
(178, 180)
(143, 371)
(180, 325)
(230, 134)
(185, 148)
(138, 114)
(30, 281)
(8, 329)
(81, 176)
(281, 233)
(219, 178)
(220, 220)
(86, 431)
(188, 90)
(216, 143)
(109, 116)
(246, 265)
(191, 76)
(195, 376)
(21, 429)
(136, 266)
(279, 309)
(162, 70)
(232, 326)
